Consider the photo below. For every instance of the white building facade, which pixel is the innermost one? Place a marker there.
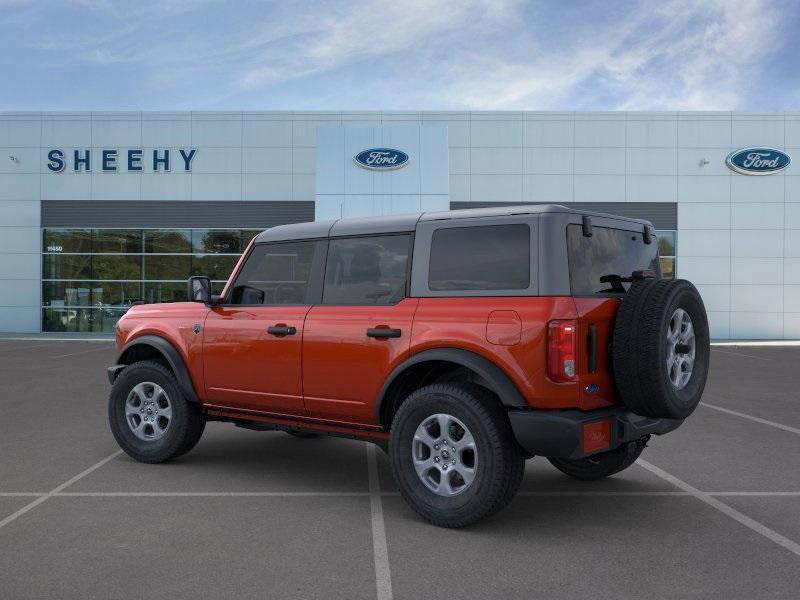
(98, 210)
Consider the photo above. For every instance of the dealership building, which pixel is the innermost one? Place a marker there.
(102, 209)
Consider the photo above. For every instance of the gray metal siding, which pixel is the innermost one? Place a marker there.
(663, 215)
(162, 214)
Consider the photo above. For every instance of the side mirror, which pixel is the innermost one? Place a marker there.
(199, 289)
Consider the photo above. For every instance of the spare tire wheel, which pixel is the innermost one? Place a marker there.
(660, 348)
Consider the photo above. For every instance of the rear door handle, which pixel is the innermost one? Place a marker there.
(383, 332)
(281, 330)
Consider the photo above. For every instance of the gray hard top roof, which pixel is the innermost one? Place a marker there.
(406, 223)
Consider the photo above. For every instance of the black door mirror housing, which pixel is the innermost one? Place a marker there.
(199, 289)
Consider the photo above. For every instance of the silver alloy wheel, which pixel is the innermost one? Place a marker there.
(444, 454)
(680, 348)
(148, 411)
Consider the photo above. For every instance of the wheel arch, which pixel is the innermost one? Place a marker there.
(153, 347)
(433, 365)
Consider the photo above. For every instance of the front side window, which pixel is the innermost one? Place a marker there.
(595, 261)
(275, 274)
(486, 257)
(366, 270)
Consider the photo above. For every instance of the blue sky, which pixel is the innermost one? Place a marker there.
(389, 54)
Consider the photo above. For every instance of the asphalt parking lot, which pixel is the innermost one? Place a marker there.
(711, 511)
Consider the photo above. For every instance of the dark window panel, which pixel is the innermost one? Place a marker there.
(67, 240)
(223, 241)
(155, 292)
(158, 267)
(667, 268)
(606, 252)
(93, 320)
(90, 293)
(247, 235)
(666, 243)
(366, 271)
(168, 241)
(275, 274)
(116, 267)
(117, 240)
(67, 267)
(503, 261)
(214, 266)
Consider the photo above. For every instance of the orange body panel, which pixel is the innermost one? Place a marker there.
(343, 369)
(462, 323)
(599, 312)
(249, 368)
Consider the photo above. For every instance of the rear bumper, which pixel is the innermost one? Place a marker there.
(563, 433)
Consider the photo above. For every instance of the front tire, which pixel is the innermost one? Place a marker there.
(601, 465)
(150, 417)
(453, 454)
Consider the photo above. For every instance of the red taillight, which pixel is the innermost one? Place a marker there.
(561, 350)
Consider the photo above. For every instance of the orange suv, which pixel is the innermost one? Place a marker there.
(461, 342)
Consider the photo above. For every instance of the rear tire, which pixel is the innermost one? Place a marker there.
(601, 465)
(150, 417)
(478, 456)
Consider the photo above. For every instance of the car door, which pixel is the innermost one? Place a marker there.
(253, 339)
(362, 328)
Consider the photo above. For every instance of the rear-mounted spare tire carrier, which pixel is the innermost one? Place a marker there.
(660, 365)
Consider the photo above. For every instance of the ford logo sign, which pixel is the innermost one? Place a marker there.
(381, 159)
(758, 161)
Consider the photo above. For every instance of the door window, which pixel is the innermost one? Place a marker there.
(275, 274)
(368, 270)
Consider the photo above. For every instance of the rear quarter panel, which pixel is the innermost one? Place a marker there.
(462, 323)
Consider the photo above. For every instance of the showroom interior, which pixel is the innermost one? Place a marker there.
(100, 210)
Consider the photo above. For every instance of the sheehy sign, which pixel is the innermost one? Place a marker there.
(111, 161)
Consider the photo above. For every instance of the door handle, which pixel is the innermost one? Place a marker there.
(383, 332)
(281, 330)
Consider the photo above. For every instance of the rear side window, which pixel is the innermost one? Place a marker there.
(488, 257)
(366, 270)
(606, 252)
(275, 274)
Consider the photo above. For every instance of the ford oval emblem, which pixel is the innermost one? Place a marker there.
(381, 159)
(758, 161)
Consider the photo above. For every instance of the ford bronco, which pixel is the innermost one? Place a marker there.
(461, 342)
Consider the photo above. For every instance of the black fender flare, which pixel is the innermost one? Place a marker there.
(497, 380)
(172, 356)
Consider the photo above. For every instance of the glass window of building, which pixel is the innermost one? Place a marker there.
(90, 277)
(666, 253)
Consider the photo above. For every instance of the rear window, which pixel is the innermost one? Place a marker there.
(607, 252)
(489, 257)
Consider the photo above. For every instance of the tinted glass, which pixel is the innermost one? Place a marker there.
(492, 257)
(168, 240)
(666, 243)
(667, 268)
(607, 252)
(90, 293)
(226, 241)
(116, 267)
(167, 267)
(67, 240)
(366, 270)
(275, 274)
(116, 240)
(57, 266)
(214, 266)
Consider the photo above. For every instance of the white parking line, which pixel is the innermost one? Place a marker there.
(383, 578)
(212, 494)
(81, 352)
(741, 354)
(734, 514)
(56, 490)
(736, 413)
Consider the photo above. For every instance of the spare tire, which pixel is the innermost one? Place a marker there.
(660, 348)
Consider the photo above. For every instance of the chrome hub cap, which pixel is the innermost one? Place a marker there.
(680, 349)
(148, 411)
(444, 454)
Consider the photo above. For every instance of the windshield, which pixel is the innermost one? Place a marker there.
(608, 252)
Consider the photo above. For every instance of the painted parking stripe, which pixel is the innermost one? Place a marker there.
(56, 490)
(742, 354)
(81, 352)
(383, 578)
(734, 514)
(736, 413)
